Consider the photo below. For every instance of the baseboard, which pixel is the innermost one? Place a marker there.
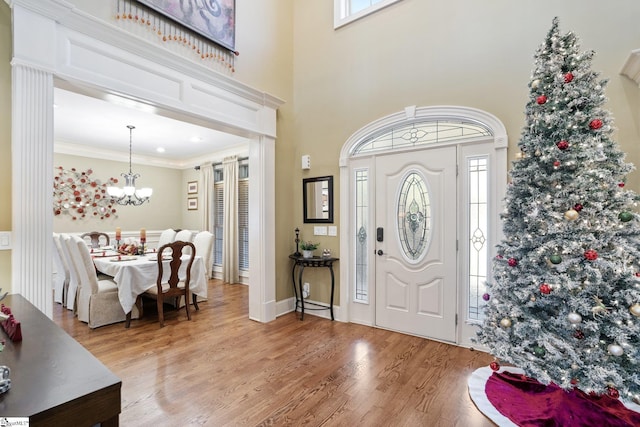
(287, 305)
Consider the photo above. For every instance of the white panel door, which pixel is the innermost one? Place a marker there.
(416, 261)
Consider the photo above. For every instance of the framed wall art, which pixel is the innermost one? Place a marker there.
(192, 187)
(192, 203)
(213, 19)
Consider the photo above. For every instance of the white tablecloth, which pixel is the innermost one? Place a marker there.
(136, 276)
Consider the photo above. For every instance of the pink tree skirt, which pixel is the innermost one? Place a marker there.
(509, 398)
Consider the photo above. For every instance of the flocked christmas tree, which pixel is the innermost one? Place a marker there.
(564, 300)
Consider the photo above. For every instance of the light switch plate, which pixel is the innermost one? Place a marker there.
(320, 230)
(333, 230)
(5, 240)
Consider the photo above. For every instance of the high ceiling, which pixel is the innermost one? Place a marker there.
(88, 125)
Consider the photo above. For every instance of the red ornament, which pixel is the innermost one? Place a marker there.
(494, 366)
(568, 78)
(556, 163)
(637, 273)
(613, 393)
(512, 262)
(621, 184)
(541, 99)
(563, 145)
(574, 381)
(591, 255)
(595, 124)
(578, 334)
(499, 256)
(577, 207)
(545, 289)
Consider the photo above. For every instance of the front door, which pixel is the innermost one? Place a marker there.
(416, 261)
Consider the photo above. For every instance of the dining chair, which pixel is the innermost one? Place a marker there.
(184, 236)
(95, 236)
(61, 280)
(173, 288)
(167, 236)
(203, 242)
(74, 279)
(98, 302)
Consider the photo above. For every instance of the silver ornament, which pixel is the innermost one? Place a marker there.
(615, 350)
(574, 318)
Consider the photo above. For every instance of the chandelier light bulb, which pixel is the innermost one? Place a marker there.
(129, 195)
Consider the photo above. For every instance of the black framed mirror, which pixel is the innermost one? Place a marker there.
(317, 199)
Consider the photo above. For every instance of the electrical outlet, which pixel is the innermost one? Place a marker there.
(305, 290)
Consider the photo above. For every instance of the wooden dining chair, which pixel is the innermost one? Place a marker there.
(95, 236)
(173, 287)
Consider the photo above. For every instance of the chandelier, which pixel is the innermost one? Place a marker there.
(129, 195)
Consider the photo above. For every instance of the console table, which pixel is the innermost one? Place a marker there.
(54, 380)
(300, 262)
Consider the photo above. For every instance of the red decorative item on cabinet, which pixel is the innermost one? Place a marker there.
(10, 325)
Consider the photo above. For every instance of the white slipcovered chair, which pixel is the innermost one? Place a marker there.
(61, 279)
(98, 302)
(167, 236)
(203, 242)
(74, 280)
(183, 236)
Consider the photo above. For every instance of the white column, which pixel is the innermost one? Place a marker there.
(32, 175)
(262, 278)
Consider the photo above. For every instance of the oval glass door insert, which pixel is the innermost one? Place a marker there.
(414, 216)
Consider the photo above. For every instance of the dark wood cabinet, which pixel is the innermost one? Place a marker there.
(54, 380)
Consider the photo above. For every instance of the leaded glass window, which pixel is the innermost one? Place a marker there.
(417, 134)
(361, 237)
(478, 229)
(414, 216)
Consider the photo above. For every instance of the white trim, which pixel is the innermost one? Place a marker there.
(342, 15)
(76, 48)
(631, 67)
(498, 174)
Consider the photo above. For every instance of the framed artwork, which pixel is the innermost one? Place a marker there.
(192, 203)
(192, 187)
(213, 19)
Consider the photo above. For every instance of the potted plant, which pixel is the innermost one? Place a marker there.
(307, 248)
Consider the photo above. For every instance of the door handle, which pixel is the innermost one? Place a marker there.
(380, 252)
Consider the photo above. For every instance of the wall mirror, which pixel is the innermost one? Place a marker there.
(317, 199)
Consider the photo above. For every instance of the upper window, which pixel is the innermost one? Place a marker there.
(345, 11)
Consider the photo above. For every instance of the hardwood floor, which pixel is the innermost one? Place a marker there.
(222, 369)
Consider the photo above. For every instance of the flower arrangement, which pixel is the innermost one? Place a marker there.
(130, 248)
(308, 245)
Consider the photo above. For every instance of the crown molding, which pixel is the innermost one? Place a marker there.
(631, 67)
(119, 156)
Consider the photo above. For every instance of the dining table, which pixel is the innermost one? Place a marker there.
(135, 274)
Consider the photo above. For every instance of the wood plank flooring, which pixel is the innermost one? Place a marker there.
(222, 369)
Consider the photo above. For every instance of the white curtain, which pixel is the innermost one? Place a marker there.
(206, 178)
(230, 270)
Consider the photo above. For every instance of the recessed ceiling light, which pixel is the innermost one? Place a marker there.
(160, 150)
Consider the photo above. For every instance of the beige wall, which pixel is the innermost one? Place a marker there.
(5, 139)
(425, 53)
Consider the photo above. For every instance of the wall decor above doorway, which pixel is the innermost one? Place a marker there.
(213, 19)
